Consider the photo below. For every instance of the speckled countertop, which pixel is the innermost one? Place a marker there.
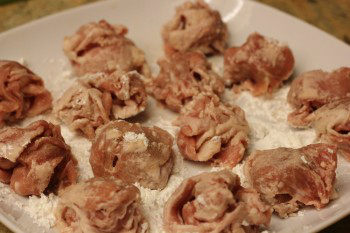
(332, 16)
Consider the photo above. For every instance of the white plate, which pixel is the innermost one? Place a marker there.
(40, 44)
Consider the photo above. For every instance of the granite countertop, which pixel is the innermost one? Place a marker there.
(330, 16)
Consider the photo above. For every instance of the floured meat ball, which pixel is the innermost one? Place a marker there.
(311, 90)
(101, 47)
(195, 27)
(81, 108)
(123, 93)
(36, 159)
(100, 206)
(133, 153)
(212, 131)
(332, 125)
(182, 76)
(95, 99)
(291, 178)
(22, 93)
(260, 65)
(215, 202)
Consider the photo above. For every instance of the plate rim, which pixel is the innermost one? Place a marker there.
(9, 223)
(102, 2)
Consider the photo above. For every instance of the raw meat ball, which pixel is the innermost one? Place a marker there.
(311, 90)
(215, 202)
(195, 27)
(96, 99)
(102, 47)
(291, 178)
(332, 125)
(36, 159)
(22, 93)
(260, 65)
(182, 76)
(100, 205)
(212, 131)
(133, 153)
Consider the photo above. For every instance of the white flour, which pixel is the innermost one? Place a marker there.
(133, 137)
(269, 129)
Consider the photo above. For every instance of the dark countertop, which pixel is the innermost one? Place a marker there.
(332, 16)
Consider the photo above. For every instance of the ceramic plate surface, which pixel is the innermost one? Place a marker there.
(40, 44)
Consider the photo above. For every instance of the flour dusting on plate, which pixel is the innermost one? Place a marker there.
(269, 129)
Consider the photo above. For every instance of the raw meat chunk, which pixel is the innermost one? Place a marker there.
(22, 93)
(332, 125)
(291, 178)
(260, 65)
(212, 131)
(215, 202)
(36, 159)
(102, 47)
(195, 27)
(311, 90)
(100, 205)
(133, 153)
(182, 76)
(96, 99)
